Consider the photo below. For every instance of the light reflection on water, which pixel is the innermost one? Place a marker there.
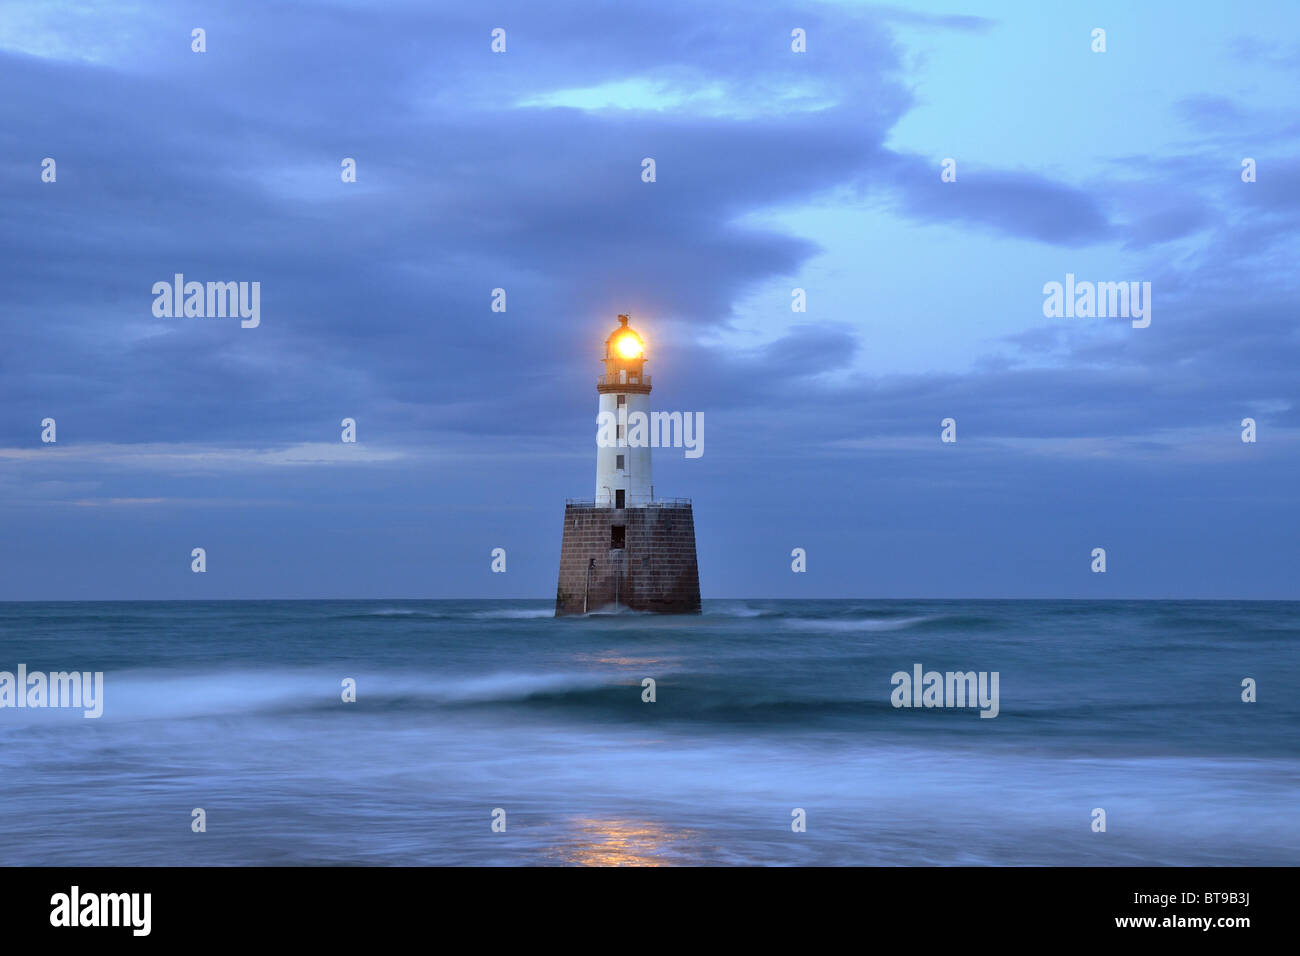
(612, 841)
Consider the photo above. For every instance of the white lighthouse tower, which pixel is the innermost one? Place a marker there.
(625, 548)
(623, 475)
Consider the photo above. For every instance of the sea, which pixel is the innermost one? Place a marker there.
(492, 733)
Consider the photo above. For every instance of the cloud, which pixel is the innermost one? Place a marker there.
(196, 456)
(522, 171)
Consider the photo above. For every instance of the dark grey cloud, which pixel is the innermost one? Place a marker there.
(224, 166)
(1017, 203)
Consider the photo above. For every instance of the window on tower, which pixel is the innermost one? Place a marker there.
(622, 399)
(618, 462)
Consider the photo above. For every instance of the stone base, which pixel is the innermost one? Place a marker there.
(654, 570)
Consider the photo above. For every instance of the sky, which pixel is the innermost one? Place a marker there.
(775, 170)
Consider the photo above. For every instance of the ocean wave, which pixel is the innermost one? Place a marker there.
(154, 696)
(393, 612)
(850, 624)
(734, 610)
(149, 696)
(617, 610)
(515, 614)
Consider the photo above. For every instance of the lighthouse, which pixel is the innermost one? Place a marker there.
(623, 475)
(624, 548)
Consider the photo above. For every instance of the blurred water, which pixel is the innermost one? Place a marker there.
(763, 706)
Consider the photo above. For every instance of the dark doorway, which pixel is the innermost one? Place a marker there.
(617, 535)
(619, 498)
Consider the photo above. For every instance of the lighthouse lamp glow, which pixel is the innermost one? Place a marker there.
(629, 347)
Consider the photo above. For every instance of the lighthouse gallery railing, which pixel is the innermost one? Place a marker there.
(633, 501)
(617, 380)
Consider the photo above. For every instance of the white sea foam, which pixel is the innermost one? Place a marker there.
(733, 610)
